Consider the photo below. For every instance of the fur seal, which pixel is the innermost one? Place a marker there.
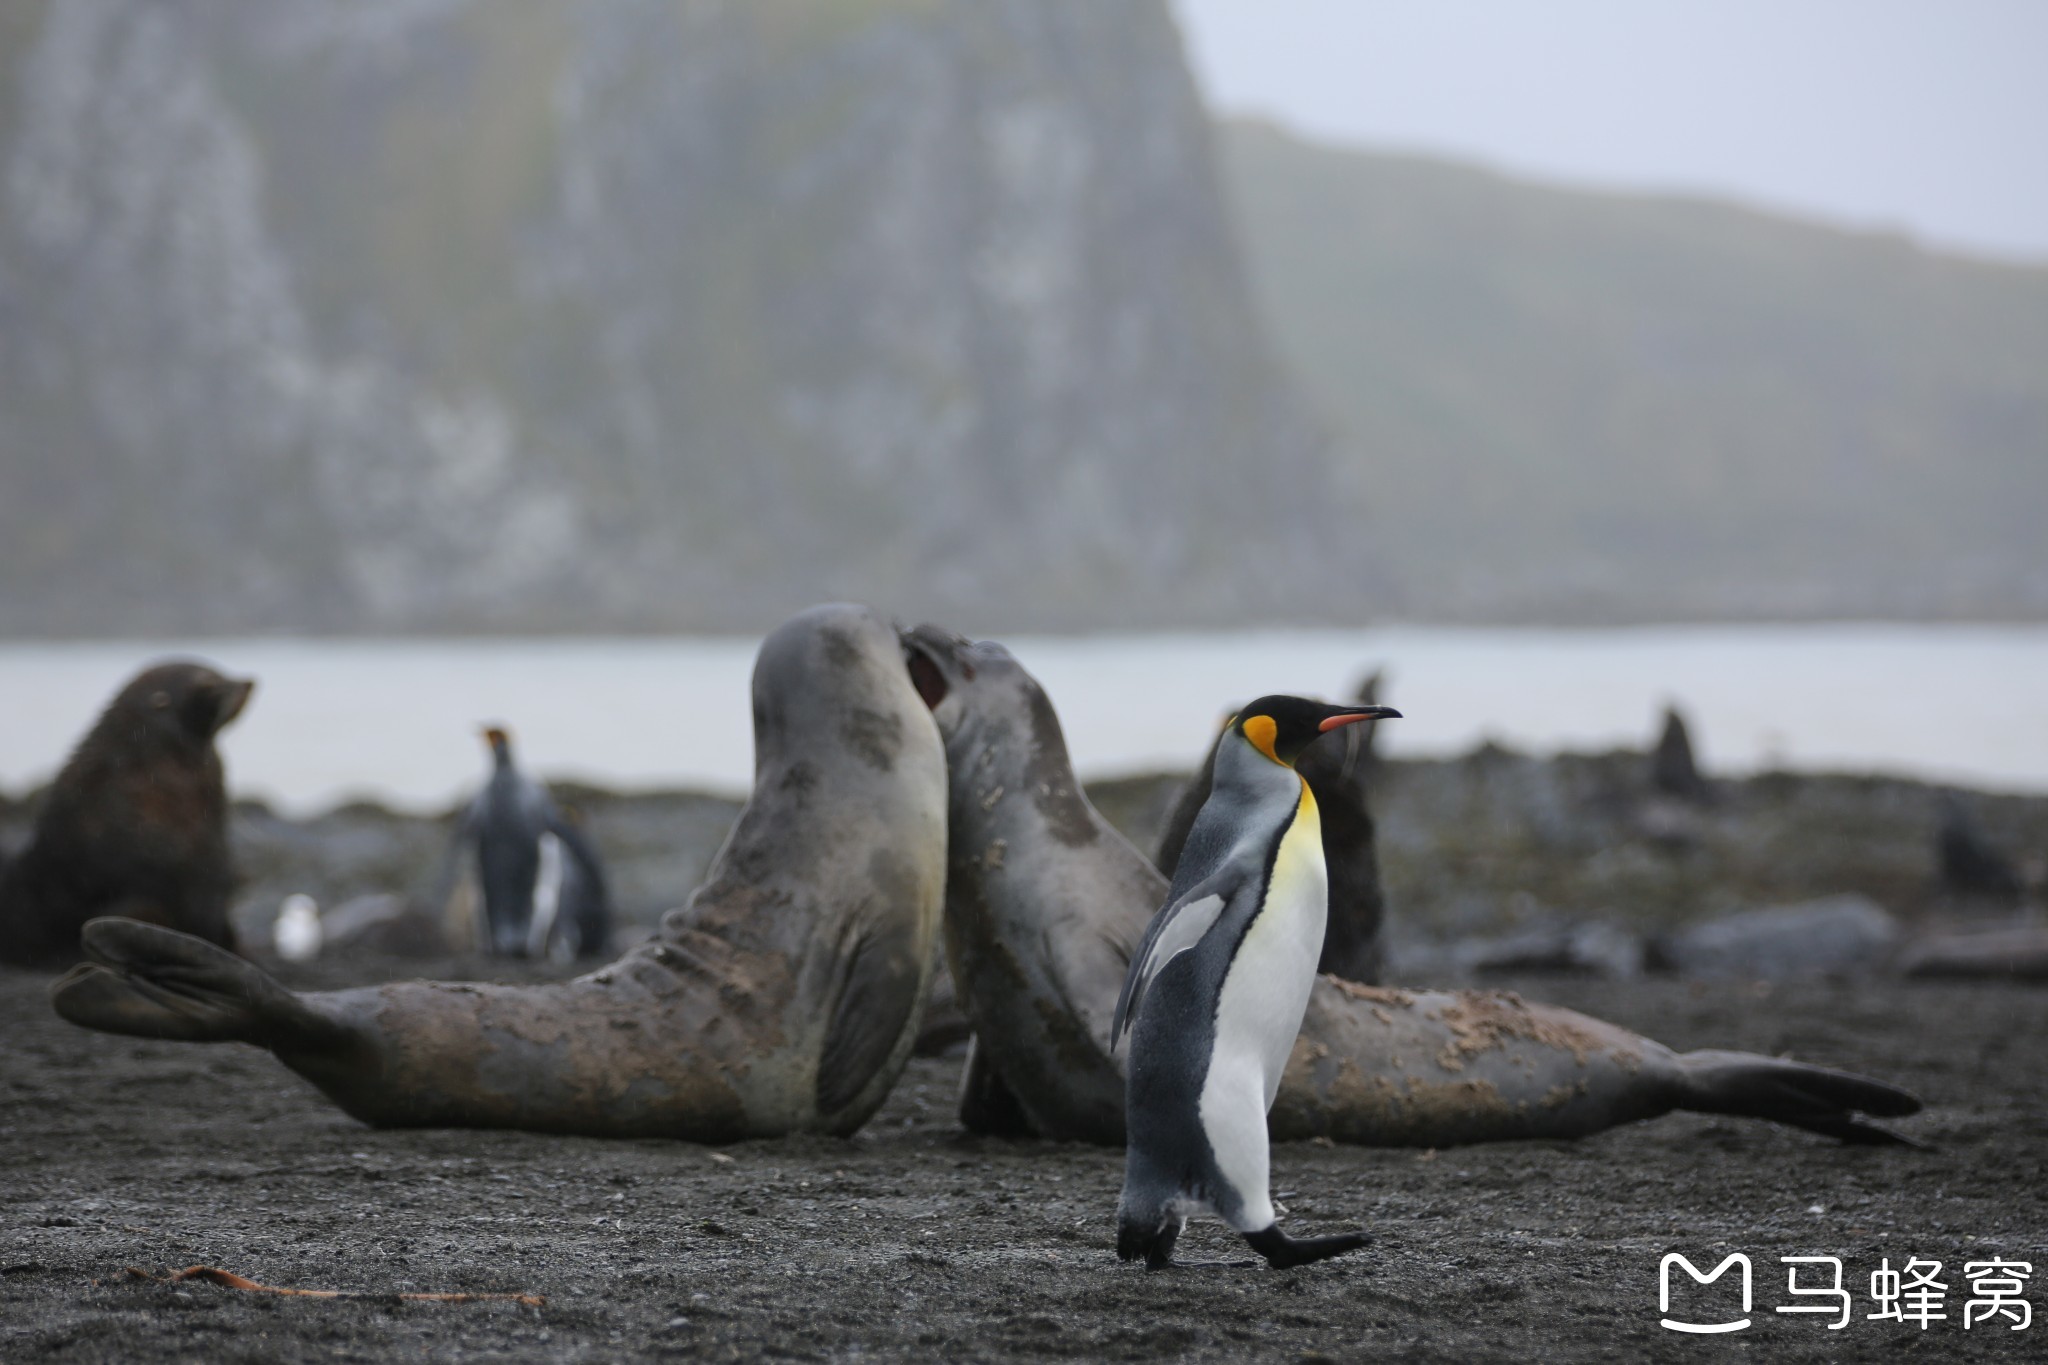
(1045, 903)
(784, 997)
(1335, 772)
(1673, 770)
(1970, 864)
(135, 823)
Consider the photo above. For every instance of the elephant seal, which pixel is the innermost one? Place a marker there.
(784, 997)
(135, 823)
(1045, 903)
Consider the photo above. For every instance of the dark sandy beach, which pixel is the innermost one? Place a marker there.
(913, 1241)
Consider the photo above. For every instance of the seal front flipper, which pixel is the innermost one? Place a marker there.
(151, 982)
(988, 1106)
(1810, 1097)
(880, 998)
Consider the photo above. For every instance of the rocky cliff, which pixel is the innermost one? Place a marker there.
(603, 314)
(1600, 407)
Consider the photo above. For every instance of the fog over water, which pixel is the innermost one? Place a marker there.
(395, 720)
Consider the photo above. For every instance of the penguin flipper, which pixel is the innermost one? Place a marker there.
(151, 982)
(577, 845)
(1815, 1098)
(586, 906)
(1178, 926)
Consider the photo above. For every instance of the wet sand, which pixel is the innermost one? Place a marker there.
(913, 1241)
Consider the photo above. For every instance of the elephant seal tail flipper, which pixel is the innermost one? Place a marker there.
(151, 982)
(1810, 1097)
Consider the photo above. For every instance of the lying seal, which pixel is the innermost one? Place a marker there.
(1045, 903)
(783, 998)
(2013, 954)
(135, 824)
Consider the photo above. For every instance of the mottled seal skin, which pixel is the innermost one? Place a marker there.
(783, 998)
(1045, 903)
(134, 825)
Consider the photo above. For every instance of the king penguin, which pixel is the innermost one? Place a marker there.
(1217, 989)
(542, 883)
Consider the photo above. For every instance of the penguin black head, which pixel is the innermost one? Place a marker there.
(500, 741)
(1280, 726)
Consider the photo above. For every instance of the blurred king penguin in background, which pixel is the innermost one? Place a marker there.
(543, 888)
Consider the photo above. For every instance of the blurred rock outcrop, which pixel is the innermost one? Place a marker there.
(1834, 936)
(586, 314)
(1627, 406)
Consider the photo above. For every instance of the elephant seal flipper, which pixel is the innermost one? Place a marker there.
(874, 1006)
(1815, 1098)
(987, 1104)
(151, 982)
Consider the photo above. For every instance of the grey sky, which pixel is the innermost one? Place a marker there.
(1928, 116)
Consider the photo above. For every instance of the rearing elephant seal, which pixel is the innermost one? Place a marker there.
(1045, 902)
(783, 998)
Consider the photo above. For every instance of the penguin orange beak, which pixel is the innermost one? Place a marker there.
(1330, 723)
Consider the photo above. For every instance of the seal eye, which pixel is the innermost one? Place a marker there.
(159, 700)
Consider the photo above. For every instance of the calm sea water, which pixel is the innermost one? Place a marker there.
(396, 720)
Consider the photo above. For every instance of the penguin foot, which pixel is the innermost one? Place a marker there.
(1284, 1253)
(1155, 1243)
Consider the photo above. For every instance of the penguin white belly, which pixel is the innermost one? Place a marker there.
(1259, 1011)
(547, 896)
(1265, 993)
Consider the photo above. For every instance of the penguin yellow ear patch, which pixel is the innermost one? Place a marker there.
(1262, 732)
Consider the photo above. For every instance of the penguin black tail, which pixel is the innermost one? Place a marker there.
(1284, 1253)
(1810, 1097)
